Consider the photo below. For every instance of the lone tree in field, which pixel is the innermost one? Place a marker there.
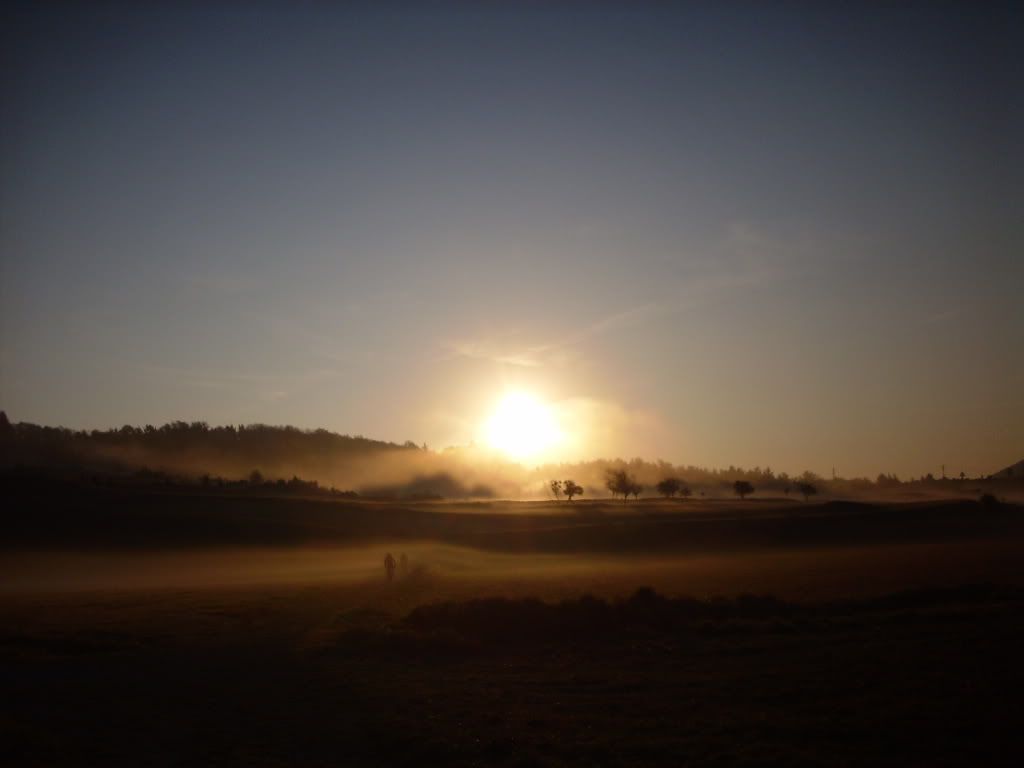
(806, 489)
(556, 489)
(256, 477)
(570, 489)
(635, 488)
(669, 487)
(685, 492)
(742, 488)
(618, 481)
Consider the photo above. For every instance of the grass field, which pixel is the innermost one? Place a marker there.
(164, 629)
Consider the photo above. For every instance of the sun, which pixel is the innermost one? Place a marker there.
(521, 427)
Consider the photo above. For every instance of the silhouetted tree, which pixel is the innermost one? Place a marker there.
(669, 487)
(887, 480)
(556, 489)
(685, 492)
(619, 481)
(635, 489)
(571, 489)
(742, 488)
(615, 481)
(807, 490)
(256, 477)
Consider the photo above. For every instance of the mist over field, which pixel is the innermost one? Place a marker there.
(458, 607)
(528, 385)
(523, 622)
(191, 453)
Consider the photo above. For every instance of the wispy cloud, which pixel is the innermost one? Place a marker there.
(627, 318)
(502, 351)
(495, 351)
(747, 255)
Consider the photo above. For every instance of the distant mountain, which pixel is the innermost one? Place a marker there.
(1012, 471)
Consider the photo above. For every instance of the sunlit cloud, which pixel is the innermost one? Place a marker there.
(490, 350)
(545, 353)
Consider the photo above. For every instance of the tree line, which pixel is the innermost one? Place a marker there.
(619, 482)
(195, 448)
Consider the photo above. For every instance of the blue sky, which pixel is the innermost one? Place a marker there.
(785, 235)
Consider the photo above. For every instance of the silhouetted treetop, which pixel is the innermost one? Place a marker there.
(669, 487)
(571, 488)
(807, 490)
(742, 488)
(620, 481)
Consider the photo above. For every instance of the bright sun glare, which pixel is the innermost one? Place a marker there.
(522, 427)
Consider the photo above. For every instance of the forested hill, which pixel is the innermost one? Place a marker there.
(259, 453)
(186, 447)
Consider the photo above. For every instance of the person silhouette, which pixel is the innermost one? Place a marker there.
(403, 564)
(389, 566)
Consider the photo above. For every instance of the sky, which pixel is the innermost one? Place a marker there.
(718, 234)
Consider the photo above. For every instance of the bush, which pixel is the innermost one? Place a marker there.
(989, 501)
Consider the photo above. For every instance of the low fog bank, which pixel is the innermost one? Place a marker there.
(443, 572)
(86, 516)
(317, 460)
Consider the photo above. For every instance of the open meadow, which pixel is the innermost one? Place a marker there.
(264, 632)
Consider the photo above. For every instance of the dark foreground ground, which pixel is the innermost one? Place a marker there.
(874, 653)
